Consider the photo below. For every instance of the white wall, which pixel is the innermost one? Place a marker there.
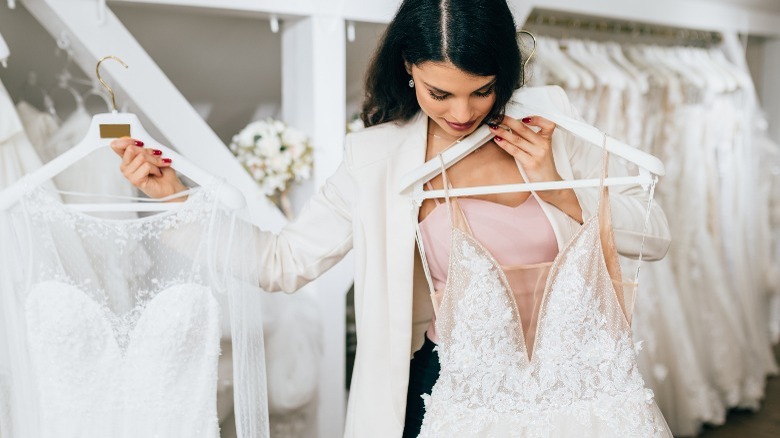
(358, 56)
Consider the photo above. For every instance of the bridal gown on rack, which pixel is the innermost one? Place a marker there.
(669, 360)
(580, 378)
(105, 344)
(17, 155)
(40, 126)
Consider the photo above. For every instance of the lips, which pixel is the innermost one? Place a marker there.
(460, 126)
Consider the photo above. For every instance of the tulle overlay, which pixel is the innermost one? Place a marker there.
(112, 327)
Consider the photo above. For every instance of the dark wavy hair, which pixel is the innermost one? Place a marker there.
(477, 36)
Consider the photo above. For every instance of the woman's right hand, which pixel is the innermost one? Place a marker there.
(146, 168)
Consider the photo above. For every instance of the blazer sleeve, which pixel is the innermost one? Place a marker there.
(628, 203)
(318, 238)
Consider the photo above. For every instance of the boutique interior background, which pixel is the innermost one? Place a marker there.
(200, 70)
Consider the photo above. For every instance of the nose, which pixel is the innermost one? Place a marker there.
(460, 111)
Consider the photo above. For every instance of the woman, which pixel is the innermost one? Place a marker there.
(442, 69)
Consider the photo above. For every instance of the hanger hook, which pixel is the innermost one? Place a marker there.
(97, 72)
(533, 51)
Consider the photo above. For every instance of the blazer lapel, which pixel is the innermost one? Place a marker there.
(401, 218)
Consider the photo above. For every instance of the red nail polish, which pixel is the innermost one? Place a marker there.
(492, 126)
(157, 152)
(138, 143)
(166, 160)
(497, 138)
(526, 120)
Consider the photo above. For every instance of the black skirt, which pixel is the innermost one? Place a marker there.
(423, 373)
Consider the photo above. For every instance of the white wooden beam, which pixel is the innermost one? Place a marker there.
(314, 100)
(291, 8)
(757, 17)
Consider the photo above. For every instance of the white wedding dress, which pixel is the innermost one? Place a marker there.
(112, 327)
(581, 378)
(40, 126)
(17, 155)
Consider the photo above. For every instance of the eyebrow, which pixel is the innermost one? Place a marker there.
(439, 90)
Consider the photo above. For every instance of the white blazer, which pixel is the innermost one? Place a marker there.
(359, 208)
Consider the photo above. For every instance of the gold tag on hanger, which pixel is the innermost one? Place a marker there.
(114, 131)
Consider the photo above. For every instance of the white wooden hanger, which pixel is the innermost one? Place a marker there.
(103, 129)
(587, 81)
(559, 68)
(650, 167)
(638, 77)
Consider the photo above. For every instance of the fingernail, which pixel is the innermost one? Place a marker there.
(492, 126)
(157, 152)
(497, 138)
(526, 120)
(166, 160)
(138, 142)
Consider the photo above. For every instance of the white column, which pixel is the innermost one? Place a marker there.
(314, 100)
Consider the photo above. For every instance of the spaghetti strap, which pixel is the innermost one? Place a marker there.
(430, 187)
(457, 217)
(603, 206)
(446, 185)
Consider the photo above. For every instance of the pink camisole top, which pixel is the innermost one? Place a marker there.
(520, 238)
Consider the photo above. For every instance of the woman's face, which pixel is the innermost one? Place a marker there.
(455, 100)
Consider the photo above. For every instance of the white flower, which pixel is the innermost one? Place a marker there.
(292, 136)
(273, 153)
(301, 171)
(269, 146)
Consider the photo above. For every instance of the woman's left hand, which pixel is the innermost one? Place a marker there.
(533, 150)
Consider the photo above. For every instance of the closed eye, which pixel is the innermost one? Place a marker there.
(487, 92)
(437, 96)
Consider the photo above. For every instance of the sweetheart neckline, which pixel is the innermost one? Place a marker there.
(106, 313)
(531, 359)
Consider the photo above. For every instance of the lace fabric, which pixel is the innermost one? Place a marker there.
(118, 322)
(581, 379)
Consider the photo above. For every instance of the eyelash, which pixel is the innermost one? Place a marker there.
(487, 93)
(436, 96)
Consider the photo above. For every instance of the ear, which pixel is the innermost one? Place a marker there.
(408, 66)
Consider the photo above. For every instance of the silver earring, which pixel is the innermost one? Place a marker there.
(411, 83)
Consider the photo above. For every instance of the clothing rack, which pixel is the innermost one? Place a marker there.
(565, 25)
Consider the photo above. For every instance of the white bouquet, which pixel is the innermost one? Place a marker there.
(276, 155)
